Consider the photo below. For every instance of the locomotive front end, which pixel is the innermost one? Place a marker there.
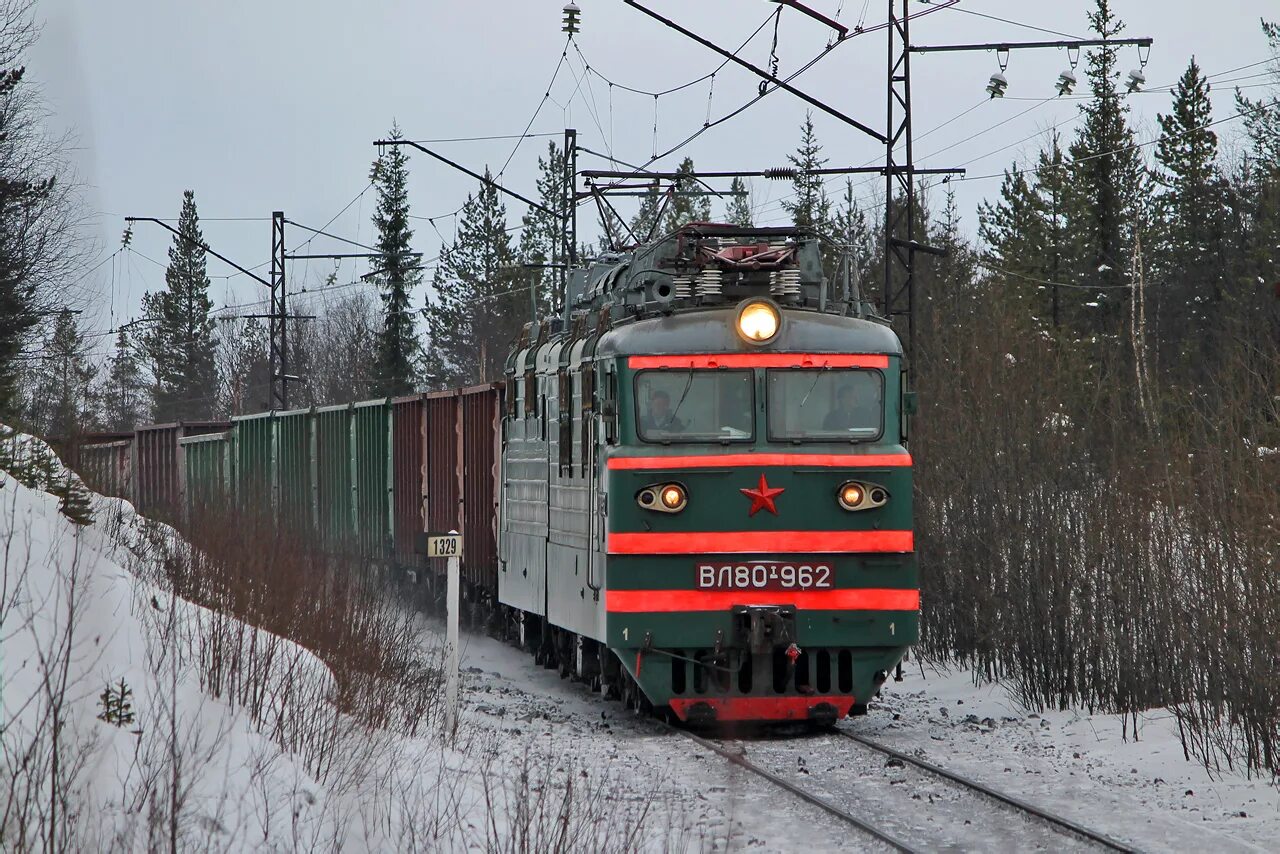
(760, 559)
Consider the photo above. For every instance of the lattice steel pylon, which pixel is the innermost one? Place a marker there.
(900, 244)
(278, 318)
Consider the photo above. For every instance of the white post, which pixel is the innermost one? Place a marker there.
(451, 647)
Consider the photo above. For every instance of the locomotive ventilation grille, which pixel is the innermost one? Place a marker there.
(739, 673)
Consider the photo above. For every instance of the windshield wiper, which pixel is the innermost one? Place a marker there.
(817, 376)
(687, 385)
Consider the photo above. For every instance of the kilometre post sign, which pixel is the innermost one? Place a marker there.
(444, 545)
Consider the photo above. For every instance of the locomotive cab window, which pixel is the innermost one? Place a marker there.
(825, 405)
(695, 406)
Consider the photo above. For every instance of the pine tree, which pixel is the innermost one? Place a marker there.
(809, 206)
(180, 343)
(398, 349)
(687, 202)
(1190, 263)
(738, 209)
(1108, 171)
(542, 237)
(478, 305)
(61, 398)
(122, 394)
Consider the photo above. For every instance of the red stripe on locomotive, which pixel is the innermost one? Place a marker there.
(742, 542)
(854, 599)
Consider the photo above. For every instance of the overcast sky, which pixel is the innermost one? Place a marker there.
(260, 105)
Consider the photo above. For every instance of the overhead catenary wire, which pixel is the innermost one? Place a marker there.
(1137, 145)
(524, 134)
(777, 203)
(975, 13)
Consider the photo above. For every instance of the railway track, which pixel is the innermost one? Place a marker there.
(1038, 814)
(739, 758)
(853, 809)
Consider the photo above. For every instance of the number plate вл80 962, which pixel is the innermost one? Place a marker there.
(762, 575)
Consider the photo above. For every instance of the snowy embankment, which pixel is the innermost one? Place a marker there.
(109, 739)
(127, 724)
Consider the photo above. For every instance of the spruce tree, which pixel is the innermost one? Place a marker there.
(1108, 171)
(398, 348)
(61, 398)
(180, 343)
(1189, 263)
(738, 209)
(542, 235)
(809, 206)
(74, 501)
(687, 204)
(478, 306)
(122, 394)
(1015, 236)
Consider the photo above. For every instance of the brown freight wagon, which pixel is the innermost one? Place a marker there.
(462, 430)
(105, 462)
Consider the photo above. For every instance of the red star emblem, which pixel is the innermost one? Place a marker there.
(762, 497)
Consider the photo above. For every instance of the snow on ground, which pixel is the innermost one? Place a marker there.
(1078, 765)
(538, 763)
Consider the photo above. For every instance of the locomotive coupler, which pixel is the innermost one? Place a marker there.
(760, 628)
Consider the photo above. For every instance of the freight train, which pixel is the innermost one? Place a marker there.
(691, 491)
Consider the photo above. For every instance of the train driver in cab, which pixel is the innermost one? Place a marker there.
(660, 418)
(842, 416)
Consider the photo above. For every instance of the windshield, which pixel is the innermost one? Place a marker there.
(825, 405)
(695, 406)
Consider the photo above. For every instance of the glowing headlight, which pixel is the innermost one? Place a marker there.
(758, 321)
(854, 495)
(664, 498)
(672, 497)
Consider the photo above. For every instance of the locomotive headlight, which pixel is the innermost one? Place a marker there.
(673, 497)
(663, 497)
(758, 321)
(855, 495)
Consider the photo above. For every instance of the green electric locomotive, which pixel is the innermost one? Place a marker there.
(702, 493)
(705, 495)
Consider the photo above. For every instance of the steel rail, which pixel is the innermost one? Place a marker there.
(1036, 812)
(742, 761)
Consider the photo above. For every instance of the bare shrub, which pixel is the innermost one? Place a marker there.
(250, 573)
(1095, 553)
